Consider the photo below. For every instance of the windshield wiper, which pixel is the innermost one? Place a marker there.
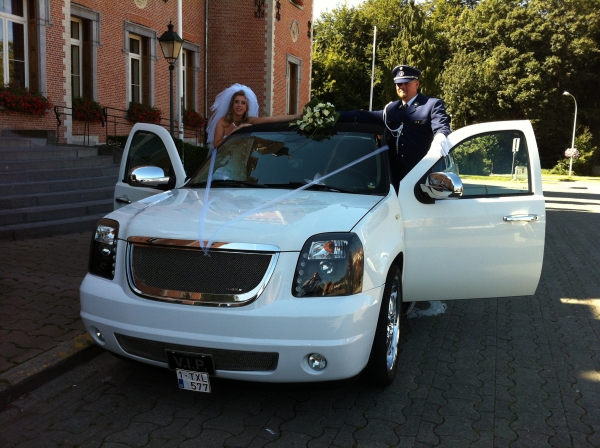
(226, 183)
(317, 187)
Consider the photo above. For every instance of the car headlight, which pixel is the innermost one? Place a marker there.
(330, 264)
(103, 250)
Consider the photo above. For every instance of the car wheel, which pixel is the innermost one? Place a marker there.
(383, 362)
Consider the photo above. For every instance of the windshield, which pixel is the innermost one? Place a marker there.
(288, 160)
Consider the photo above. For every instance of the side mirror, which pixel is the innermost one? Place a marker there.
(147, 176)
(442, 185)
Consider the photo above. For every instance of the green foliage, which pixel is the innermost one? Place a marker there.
(588, 157)
(474, 156)
(489, 60)
(343, 51)
(511, 59)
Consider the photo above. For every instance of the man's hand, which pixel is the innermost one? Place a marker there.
(440, 144)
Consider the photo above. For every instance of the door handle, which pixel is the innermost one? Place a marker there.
(521, 218)
(123, 200)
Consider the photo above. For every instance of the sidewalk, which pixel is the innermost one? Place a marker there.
(41, 333)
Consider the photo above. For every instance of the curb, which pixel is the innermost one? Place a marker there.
(37, 371)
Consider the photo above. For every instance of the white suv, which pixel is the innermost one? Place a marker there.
(288, 259)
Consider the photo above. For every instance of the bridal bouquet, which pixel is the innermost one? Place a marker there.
(316, 118)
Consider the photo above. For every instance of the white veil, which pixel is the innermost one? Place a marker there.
(221, 104)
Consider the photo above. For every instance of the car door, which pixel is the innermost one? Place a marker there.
(147, 145)
(489, 242)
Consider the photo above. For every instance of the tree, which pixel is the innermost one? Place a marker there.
(512, 59)
(343, 51)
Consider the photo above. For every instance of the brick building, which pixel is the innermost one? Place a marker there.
(108, 51)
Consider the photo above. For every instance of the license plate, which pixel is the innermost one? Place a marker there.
(196, 381)
(193, 362)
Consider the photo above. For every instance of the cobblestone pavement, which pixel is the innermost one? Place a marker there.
(518, 372)
(39, 284)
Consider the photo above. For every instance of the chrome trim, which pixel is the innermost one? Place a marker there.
(521, 218)
(197, 298)
(196, 244)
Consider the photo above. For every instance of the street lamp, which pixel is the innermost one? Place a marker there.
(170, 44)
(573, 141)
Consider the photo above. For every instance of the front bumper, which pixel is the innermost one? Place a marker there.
(339, 328)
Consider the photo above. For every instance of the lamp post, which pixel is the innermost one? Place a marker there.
(170, 44)
(573, 141)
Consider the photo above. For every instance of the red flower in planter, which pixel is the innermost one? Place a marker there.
(20, 99)
(141, 113)
(193, 119)
(87, 110)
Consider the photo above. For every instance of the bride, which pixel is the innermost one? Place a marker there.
(236, 107)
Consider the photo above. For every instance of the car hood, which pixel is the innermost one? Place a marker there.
(246, 215)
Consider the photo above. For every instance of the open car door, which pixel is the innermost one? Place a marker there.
(487, 241)
(148, 145)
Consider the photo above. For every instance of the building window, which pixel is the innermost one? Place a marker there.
(135, 68)
(85, 39)
(140, 45)
(13, 43)
(190, 55)
(294, 76)
(76, 57)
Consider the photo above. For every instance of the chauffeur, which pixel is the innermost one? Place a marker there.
(415, 123)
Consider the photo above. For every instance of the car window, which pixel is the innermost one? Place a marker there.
(288, 160)
(492, 164)
(148, 148)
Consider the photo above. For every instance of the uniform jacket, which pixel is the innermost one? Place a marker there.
(424, 118)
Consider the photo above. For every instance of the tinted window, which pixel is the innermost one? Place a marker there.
(288, 160)
(493, 164)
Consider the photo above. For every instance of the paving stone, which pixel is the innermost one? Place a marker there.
(345, 437)
(381, 431)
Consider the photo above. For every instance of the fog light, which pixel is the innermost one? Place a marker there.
(317, 362)
(97, 334)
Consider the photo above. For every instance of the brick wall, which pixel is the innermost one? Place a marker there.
(284, 46)
(239, 51)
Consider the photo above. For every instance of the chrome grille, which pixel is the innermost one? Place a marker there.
(236, 360)
(178, 272)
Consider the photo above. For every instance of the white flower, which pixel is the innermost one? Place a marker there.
(325, 112)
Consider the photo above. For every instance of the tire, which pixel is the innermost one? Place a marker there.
(383, 361)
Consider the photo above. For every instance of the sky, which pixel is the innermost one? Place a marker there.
(320, 6)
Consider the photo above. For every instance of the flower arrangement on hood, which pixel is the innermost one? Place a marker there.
(316, 119)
